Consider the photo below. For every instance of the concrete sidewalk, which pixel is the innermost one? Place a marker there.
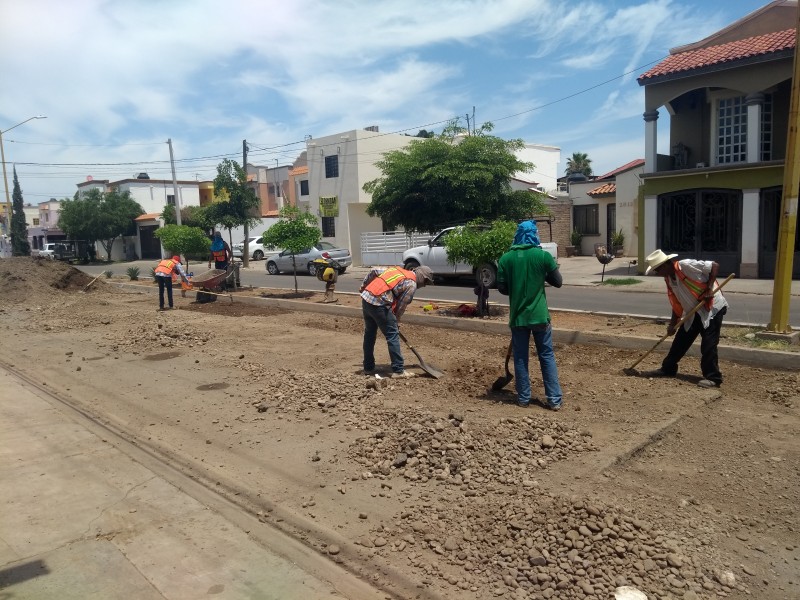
(81, 519)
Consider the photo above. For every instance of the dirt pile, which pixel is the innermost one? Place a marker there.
(528, 543)
(24, 279)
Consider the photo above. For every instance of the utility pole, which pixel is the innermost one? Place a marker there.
(174, 184)
(782, 286)
(246, 250)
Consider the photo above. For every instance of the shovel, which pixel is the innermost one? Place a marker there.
(429, 369)
(504, 380)
(632, 371)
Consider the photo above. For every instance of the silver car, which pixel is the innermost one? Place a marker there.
(282, 263)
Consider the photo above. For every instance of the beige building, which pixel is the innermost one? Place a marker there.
(717, 196)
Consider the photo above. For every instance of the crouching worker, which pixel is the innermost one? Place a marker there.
(385, 294)
(164, 272)
(327, 272)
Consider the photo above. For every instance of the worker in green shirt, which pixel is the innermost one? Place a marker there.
(521, 275)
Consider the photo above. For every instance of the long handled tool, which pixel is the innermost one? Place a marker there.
(504, 380)
(632, 371)
(429, 369)
(88, 285)
(190, 288)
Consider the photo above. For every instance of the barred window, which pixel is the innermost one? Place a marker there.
(585, 219)
(331, 166)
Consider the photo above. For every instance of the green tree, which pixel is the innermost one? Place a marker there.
(579, 162)
(19, 228)
(100, 216)
(295, 231)
(242, 207)
(452, 178)
(184, 240)
(481, 246)
(193, 216)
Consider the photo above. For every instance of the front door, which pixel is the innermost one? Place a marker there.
(611, 225)
(151, 247)
(704, 225)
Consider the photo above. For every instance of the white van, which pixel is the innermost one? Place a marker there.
(47, 251)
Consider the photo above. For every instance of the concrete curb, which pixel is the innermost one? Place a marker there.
(775, 359)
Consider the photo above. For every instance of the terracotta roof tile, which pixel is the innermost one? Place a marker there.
(148, 217)
(606, 188)
(622, 169)
(759, 45)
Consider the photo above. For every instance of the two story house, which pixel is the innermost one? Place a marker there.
(717, 196)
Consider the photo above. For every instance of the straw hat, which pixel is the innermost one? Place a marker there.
(656, 259)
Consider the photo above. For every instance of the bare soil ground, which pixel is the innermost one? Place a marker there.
(437, 488)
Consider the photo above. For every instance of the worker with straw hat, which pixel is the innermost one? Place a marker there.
(690, 282)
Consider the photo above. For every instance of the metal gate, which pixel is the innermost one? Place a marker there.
(770, 212)
(703, 224)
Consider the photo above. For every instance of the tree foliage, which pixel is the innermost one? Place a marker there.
(100, 216)
(242, 207)
(476, 244)
(184, 240)
(19, 228)
(192, 216)
(295, 231)
(452, 178)
(480, 246)
(579, 162)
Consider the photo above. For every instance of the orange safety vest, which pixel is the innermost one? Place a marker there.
(219, 255)
(388, 280)
(695, 287)
(165, 267)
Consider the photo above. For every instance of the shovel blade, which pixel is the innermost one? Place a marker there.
(501, 382)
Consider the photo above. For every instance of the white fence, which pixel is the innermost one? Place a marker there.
(387, 248)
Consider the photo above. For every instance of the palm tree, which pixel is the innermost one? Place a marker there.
(579, 163)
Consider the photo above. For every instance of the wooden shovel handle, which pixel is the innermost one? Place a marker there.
(683, 320)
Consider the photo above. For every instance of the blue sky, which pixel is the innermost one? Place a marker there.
(117, 78)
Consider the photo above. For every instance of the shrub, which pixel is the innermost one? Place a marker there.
(108, 273)
(133, 273)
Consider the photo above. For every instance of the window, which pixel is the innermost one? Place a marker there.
(35, 221)
(585, 219)
(331, 166)
(304, 187)
(171, 199)
(731, 130)
(328, 226)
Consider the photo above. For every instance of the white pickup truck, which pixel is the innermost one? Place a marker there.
(434, 255)
(47, 251)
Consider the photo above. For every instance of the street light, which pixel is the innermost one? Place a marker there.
(5, 177)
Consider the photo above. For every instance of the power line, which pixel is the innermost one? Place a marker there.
(269, 149)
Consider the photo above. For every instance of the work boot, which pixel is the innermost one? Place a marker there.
(657, 373)
(402, 375)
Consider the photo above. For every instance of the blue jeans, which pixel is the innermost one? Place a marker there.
(381, 317)
(543, 338)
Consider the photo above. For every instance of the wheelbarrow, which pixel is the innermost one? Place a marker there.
(209, 285)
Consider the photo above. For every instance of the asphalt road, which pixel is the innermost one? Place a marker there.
(746, 308)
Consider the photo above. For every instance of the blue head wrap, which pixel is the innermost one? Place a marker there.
(217, 244)
(527, 235)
